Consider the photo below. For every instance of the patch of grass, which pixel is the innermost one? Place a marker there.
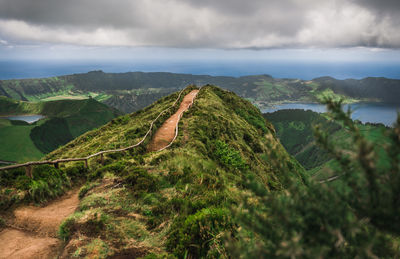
(200, 235)
(97, 249)
(67, 227)
(86, 188)
(47, 183)
(228, 156)
(17, 145)
(140, 180)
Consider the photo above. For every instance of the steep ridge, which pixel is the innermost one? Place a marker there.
(177, 201)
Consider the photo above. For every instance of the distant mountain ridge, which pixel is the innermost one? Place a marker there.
(132, 91)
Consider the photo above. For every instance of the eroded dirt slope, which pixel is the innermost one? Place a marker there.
(32, 231)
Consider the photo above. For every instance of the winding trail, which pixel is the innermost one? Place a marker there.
(32, 231)
(166, 134)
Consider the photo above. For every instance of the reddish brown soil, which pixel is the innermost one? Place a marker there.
(33, 230)
(19, 244)
(166, 133)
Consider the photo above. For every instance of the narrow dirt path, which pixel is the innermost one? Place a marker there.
(32, 232)
(166, 133)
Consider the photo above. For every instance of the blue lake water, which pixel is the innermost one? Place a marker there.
(365, 112)
(27, 118)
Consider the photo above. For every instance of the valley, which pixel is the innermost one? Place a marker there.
(131, 91)
(60, 122)
(295, 130)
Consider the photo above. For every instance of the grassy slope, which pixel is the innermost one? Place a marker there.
(373, 133)
(175, 201)
(66, 120)
(16, 145)
(294, 129)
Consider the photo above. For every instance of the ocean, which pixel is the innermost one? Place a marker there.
(302, 70)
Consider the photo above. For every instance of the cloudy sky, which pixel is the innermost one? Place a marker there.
(94, 28)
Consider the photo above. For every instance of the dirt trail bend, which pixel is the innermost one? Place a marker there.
(33, 230)
(166, 133)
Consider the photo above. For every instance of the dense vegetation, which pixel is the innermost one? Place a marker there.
(225, 188)
(47, 183)
(132, 91)
(66, 119)
(355, 216)
(176, 201)
(294, 129)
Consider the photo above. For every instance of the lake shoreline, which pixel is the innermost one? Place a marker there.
(366, 112)
(29, 118)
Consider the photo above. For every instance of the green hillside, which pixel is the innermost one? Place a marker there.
(226, 188)
(65, 120)
(132, 91)
(295, 130)
(16, 143)
(160, 198)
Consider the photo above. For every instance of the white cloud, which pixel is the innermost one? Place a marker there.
(201, 24)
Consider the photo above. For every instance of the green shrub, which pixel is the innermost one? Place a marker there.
(94, 224)
(86, 188)
(23, 182)
(47, 182)
(228, 156)
(140, 180)
(8, 177)
(68, 226)
(75, 172)
(116, 167)
(200, 233)
(39, 190)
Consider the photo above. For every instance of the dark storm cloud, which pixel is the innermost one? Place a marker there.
(207, 23)
(85, 13)
(382, 6)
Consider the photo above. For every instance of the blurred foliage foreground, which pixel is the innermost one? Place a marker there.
(355, 216)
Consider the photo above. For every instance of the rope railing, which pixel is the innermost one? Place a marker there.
(177, 124)
(28, 165)
(330, 179)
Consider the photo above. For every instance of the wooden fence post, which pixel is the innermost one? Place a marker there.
(28, 171)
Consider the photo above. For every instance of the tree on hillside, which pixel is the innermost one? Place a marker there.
(358, 215)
